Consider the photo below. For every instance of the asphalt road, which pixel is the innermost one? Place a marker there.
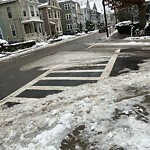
(12, 78)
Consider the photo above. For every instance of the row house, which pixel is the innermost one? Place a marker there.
(68, 16)
(20, 20)
(50, 14)
(86, 9)
(67, 11)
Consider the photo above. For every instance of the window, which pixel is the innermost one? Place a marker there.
(59, 26)
(27, 28)
(58, 14)
(32, 11)
(49, 14)
(37, 13)
(66, 6)
(54, 3)
(9, 12)
(69, 26)
(24, 11)
(55, 14)
(35, 27)
(13, 30)
(1, 34)
(68, 16)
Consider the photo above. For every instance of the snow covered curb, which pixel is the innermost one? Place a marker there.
(113, 113)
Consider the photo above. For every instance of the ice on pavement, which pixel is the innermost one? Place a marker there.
(112, 114)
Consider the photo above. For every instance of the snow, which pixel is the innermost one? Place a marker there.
(8, 55)
(110, 114)
(124, 23)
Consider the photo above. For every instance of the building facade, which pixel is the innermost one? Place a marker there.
(50, 13)
(20, 20)
(80, 17)
(91, 13)
(68, 16)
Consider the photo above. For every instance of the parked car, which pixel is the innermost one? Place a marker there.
(69, 32)
(3, 42)
(102, 29)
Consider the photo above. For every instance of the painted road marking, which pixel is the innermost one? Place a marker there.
(53, 82)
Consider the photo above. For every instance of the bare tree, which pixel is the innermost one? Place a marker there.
(119, 4)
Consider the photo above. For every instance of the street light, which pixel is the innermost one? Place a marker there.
(106, 25)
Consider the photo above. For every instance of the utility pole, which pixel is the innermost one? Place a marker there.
(105, 17)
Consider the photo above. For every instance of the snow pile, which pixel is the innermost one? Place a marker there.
(124, 23)
(138, 38)
(111, 114)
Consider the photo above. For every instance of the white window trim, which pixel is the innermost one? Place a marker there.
(67, 6)
(68, 16)
(68, 26)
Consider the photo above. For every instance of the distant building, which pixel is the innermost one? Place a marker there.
(80, 17)
(86, 12)
(91, 13)
(20, 20)
(50, 13)
(68, 16)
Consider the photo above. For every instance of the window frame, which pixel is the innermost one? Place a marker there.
(67, 6)
(9, 13)
(68, 16)
(1, 34)
(69, 26)
(13, 32)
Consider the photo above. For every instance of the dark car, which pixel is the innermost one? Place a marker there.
(102, 29)
(69, 32)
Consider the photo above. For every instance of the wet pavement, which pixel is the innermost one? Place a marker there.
(129, 59)
(55, 81)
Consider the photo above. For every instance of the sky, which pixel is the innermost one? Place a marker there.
(97, 2)
(112, 113)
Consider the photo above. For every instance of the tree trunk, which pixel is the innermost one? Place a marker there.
(142, 15)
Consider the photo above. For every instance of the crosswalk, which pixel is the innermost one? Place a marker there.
(54, 81)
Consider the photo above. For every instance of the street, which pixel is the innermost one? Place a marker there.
(93, 97)
(17, 72)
